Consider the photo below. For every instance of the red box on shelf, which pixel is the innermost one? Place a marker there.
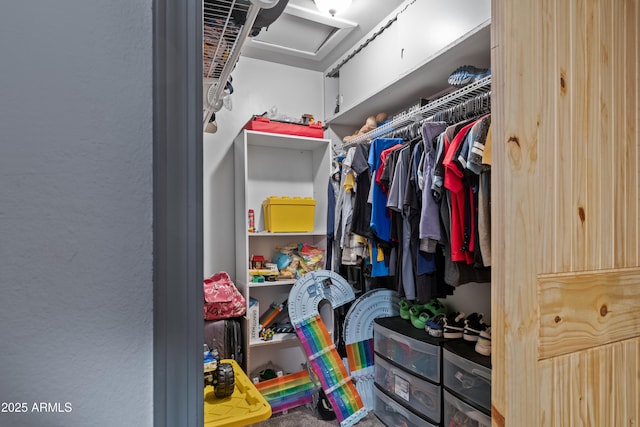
(264, 124)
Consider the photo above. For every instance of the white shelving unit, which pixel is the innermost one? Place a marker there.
(268, 164)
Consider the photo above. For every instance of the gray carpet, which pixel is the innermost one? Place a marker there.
(303, 416)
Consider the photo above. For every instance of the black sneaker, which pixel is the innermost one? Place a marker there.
(453, 325)
(473, 325)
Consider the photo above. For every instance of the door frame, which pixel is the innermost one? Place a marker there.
(177, 213)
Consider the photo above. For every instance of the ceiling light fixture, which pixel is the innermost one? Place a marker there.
(332, 7)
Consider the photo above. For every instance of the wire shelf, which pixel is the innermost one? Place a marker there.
(450, 100)
(220, 34)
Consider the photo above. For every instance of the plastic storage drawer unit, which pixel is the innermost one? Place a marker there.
(419, 357)
(459, 414)
(393, 414)
(289, 214)
(468, 379)
(420, 395)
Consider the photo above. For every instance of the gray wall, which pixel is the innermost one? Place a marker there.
(76, 287)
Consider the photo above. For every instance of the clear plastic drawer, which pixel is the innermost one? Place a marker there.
(458, 413)
(467, 379)
(420, 395)
(393, 414)
(419, 357)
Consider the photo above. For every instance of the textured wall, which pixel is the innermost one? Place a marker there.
(76, 212)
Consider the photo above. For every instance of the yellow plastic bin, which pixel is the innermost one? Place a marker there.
(289, 214)
(244, 407)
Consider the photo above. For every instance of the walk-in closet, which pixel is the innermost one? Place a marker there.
(147, 181)
(496, 251)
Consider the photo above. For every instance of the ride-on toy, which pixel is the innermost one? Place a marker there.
(218, 375)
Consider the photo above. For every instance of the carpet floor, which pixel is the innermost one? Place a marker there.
(304, 416)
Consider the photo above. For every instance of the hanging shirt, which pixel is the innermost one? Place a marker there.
(453, 181)
(395, 201)
(430, 209)
(486, 155)
(474, 160)
(380, 218)
(361, 216)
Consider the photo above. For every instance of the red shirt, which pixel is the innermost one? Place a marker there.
(453, 176)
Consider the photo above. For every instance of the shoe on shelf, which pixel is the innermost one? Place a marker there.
(473, 325)
(453, 325)
(436, 307)
(404, 309)
(414, 312)
(421, 314)
(421, 319)
(483, 346)
(466, 74)
(435, 326)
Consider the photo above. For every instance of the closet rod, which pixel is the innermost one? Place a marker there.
(447, 101)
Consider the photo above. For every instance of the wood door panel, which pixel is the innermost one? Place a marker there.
(566, 212)
(583, 310)
(597, 387)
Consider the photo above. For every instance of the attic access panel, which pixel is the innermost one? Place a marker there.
(303, 32)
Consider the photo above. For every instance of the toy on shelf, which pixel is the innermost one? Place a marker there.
(271, 313)
(257, 262)
(261, 271)
(266, 334)
(258, 265)
(290, 262)
(371, 123)
(296, 260)
(267, 325)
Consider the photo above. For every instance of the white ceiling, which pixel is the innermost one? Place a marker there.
(304, 38)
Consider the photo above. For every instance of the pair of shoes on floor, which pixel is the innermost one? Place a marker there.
(466, 74)
(420, 314)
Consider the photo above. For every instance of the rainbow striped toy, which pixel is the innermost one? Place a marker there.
(358, 336)
(327, 364)
(304, 299)
(288, 391)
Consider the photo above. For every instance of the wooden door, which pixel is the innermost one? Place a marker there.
(566, 208)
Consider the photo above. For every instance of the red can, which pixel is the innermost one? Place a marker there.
(252, 224)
